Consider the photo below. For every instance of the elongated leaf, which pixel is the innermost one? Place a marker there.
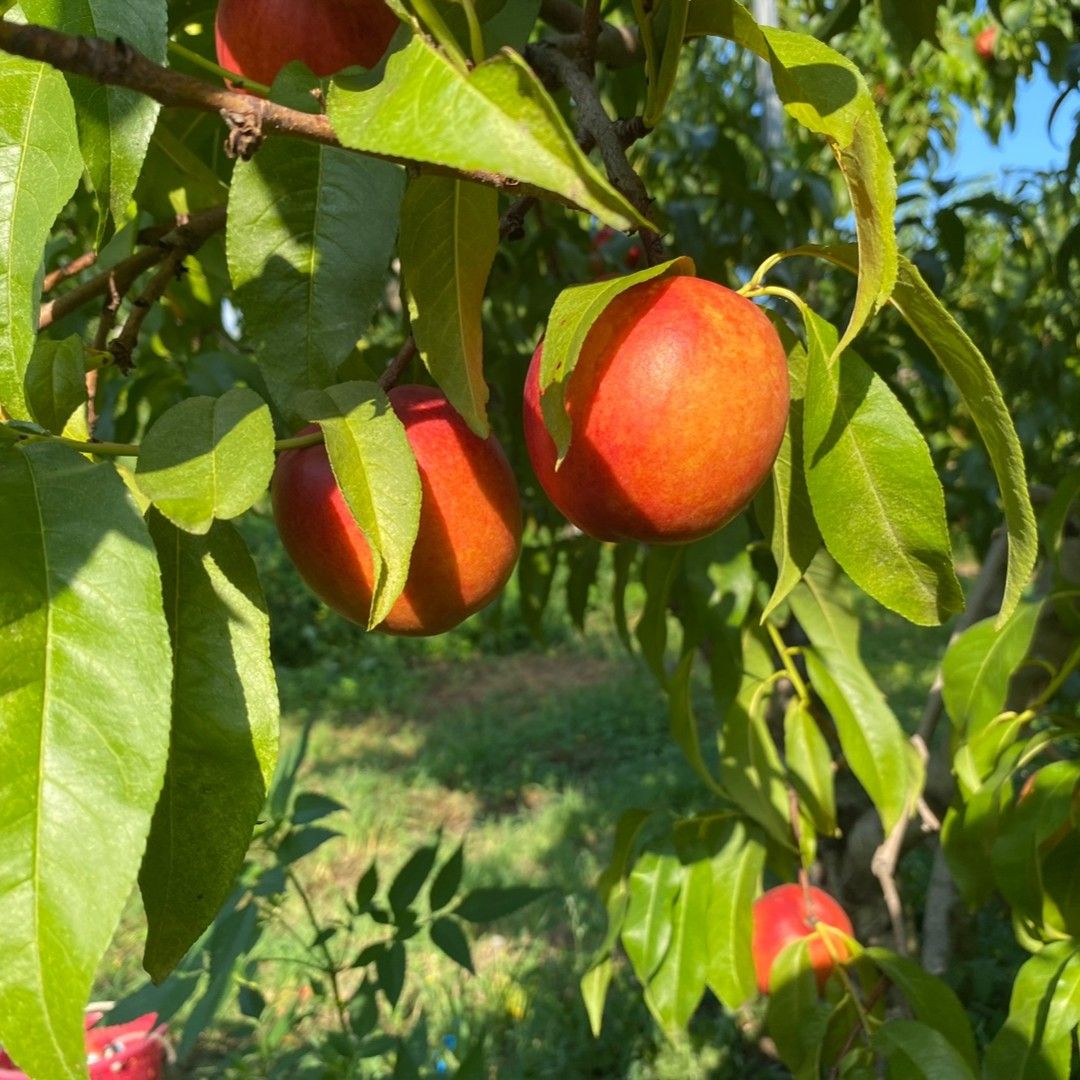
(571, 319)
(979, 664)
(39, 168)
(374, 467)
(55, 385)
(676, 989)
(826, 93)
(594, 988)
(646, 933)
(917, 1051)
(447, 881)
(863, 451)
(783, 505)
(737, 868)
(964, 364)
(684, 726)
(658, 574)
(810, 766)
(115, 124)
(208, 458)
(796, 1016)
(410, 879)
(449, 235)
(450, 938)
(486, 904)
(84, 729)
(931, 999)
(310, 236)
(504, 124)
(663, 27)
(1036, 1039)
(870, 735)
(223, 747)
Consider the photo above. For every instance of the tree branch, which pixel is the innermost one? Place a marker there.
(184, 236)
(550, 62)
(616, 46)
(69, 270)
(248, 117)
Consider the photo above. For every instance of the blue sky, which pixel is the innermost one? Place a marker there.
(1027, 146)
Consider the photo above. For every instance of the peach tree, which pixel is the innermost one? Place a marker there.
(196, 264)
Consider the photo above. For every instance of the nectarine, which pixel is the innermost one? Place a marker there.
(788, 913)
(257, 38)
(677, 404)
(470, 522)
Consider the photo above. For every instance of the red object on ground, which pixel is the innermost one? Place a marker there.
(132, 1051)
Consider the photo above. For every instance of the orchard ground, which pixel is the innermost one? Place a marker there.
(529, 751)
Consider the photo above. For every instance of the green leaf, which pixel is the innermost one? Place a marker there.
(390, 965)
(979, 664)
(410, 879)
(965, 365)
(40, 165)
(536, 574)
(115, 124)
(663, 27)
(223, 746)
(450, 938)
(864, 451)
(487, 904)
(871, 738)
(505, 124)
(737, 868)
(1036, 1039)
(684, 725)
(827, 94)
(208, 458)
(449, 236)
(366, 887)
(796, 1017)
(55, 385)
(310, 236)
(572, 317)
(647, 927)
(810, 765)
(676, 988)
(594, 989)
(931, 999)
(375, 468)
(311, 806)
(783, 505)
(84, 737)
(916, 1051)
(658, 573)
(447, 881)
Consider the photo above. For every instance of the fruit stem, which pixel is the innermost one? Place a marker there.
(790, 669)
(238, 81)
(758, 275)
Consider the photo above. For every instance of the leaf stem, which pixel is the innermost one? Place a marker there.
(235, 79)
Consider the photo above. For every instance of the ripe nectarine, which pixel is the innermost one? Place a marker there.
(787, 913)
(470, 522)
(257, 38)
(678, 406)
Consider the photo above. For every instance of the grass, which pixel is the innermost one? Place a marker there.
(529, 753)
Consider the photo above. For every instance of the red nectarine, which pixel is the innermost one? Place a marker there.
(257, 38)
(470, 522)
(678, 406)
(788, 913)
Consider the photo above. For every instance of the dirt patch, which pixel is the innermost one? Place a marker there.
(454, 686)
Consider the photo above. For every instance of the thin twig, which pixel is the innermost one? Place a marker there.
(69, 270)
(616, 46)
(120, 278)
(512, 223)
(394, 370)
(331, 966)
